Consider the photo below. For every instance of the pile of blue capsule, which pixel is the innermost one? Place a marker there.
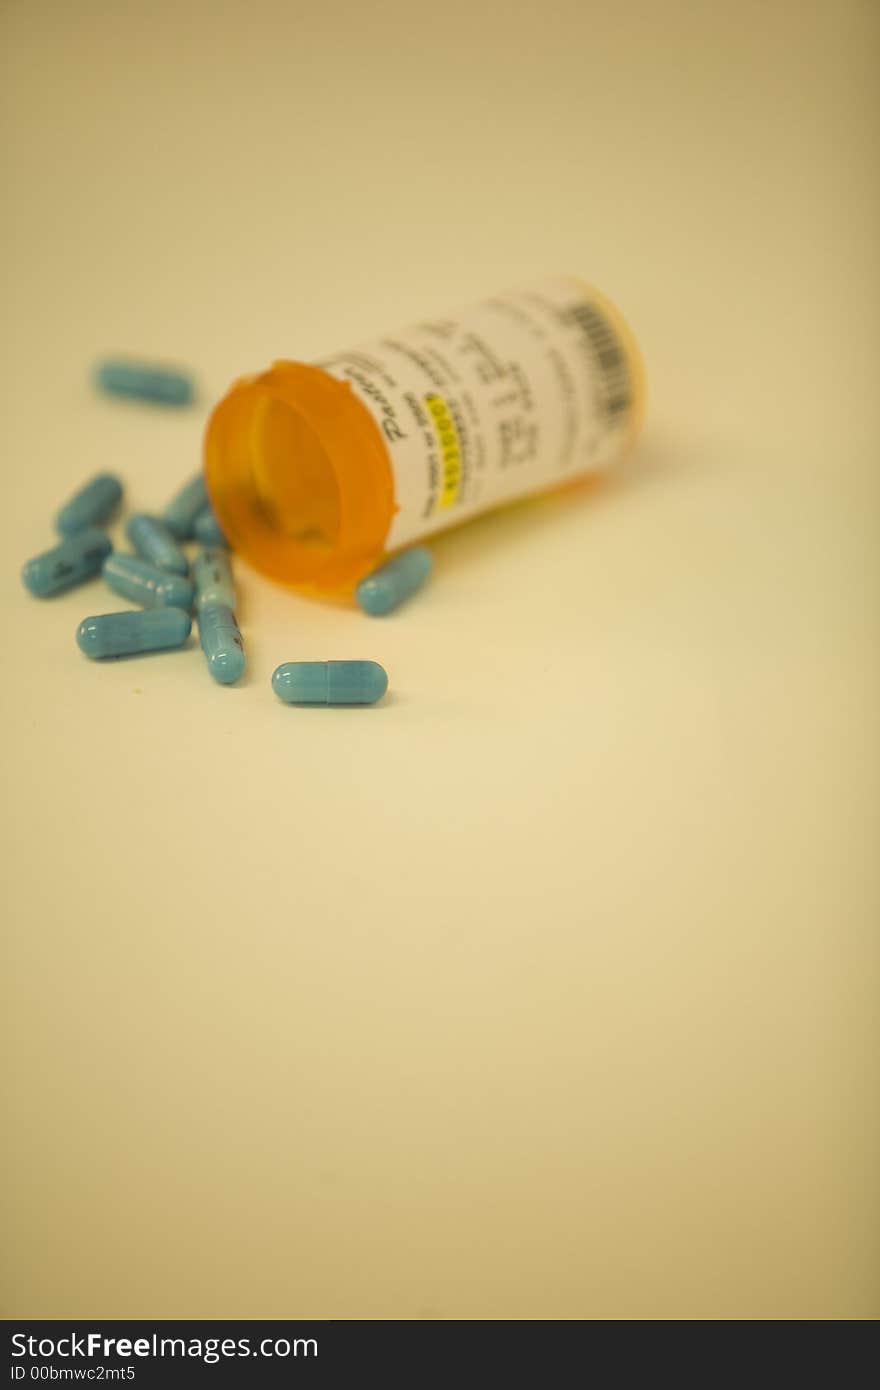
(158, 578)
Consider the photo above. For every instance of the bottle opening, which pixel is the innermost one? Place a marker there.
(292, 476)
(299, 477)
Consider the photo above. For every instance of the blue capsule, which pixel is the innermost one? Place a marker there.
(212, 572)
(138, 630)
(184, 507)
(143, 583)
(94, 503)
(387, 587)
(144, 381)
(154, 542)
(330, 682)
(207, 529)
(76, 559)
(221, 643)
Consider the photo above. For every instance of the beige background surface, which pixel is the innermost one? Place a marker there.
(548, 988)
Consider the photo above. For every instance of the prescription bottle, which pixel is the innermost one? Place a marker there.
(317, 471)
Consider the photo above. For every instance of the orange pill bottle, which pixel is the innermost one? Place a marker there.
(317, 472)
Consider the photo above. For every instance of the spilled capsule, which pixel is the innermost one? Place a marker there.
(143, 583)
(154, 542)
(330, 682)
(390, 585)
(145, 381)
(207, 529)
(93, 503)
(184, 507)
(132, 632)
(76, 559)
(212, 572)
(221, 642)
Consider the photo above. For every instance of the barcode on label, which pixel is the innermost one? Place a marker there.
(608, 355)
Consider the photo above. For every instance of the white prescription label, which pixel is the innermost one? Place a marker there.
(514, 395)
